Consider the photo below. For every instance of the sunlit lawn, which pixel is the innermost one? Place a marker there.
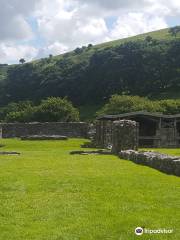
(48, 194)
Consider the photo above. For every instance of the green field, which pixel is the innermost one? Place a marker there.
(48, 194)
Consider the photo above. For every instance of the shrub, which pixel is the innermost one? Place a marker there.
(56, 109)
(123, 104)
(50, 110)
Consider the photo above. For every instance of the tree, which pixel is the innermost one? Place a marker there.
(49, 110)
(174, 30)
(56, 109)
(149, 39)
(90, 45)
(22, 61)
(123, 104)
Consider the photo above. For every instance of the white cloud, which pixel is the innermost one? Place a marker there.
(135, 23)
(13, 19)
(54, 49)
(13, 52)
(67, 24)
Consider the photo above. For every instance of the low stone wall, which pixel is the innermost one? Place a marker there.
(162, 162)
(13, 130)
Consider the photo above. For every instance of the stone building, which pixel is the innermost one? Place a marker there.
(155, 130)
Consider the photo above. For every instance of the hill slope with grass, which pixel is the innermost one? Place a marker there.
(144, 65)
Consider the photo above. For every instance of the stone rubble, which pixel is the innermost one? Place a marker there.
(44, 137)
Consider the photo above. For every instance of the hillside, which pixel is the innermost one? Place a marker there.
(145, 65)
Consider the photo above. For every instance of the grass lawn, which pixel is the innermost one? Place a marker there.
(47, 194)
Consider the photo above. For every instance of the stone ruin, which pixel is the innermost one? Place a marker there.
(162, 162)
(44, 137)
(124, 135)
(117, 135)
(68, 129)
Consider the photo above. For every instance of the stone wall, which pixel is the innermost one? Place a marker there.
(162, 162)
(124, 135)
(12, 130)
(103, 135)
(120, 135)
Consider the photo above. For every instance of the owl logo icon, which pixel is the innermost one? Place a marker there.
(139, 231)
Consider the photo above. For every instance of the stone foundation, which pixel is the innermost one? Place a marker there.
(44, 137)
(162, 162)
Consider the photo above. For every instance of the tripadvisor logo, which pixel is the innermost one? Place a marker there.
(139, 231)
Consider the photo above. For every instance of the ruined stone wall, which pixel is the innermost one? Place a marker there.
(124, 135)
(12, 130)
(162, 162)
(103, 135)
(120, 135)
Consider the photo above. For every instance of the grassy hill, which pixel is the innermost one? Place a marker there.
(145, 65)
(162, 34)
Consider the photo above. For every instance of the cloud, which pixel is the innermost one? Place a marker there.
(54, 49)
(13, 52)
(117, 4)
(13, 16)
(62, 25)
(135, 23)
(68, 25)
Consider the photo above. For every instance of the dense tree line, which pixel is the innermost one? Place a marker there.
(57, 109)
(49, 110)
(123, 104)
(144, 67)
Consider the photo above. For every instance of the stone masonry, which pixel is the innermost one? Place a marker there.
(162, 162)
(119, 135)
(13, 130)
(124, 135)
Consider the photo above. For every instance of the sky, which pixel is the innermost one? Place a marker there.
(36, 28)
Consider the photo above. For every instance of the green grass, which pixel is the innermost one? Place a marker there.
(175, 151)
(48, 194)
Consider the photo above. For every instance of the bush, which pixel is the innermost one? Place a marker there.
(122, 104)
(50, 110)
(56, 109)
(170, 106)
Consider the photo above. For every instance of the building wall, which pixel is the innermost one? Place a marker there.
(12, 130)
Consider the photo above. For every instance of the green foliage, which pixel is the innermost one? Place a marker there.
(49, 110)
(174, 30)
(170, 106)
(56, 109)
(22, 60)
(13, 109)
(123, 104)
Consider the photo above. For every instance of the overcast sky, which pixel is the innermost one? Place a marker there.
(36, 28)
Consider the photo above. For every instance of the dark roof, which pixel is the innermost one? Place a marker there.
(139, 113)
